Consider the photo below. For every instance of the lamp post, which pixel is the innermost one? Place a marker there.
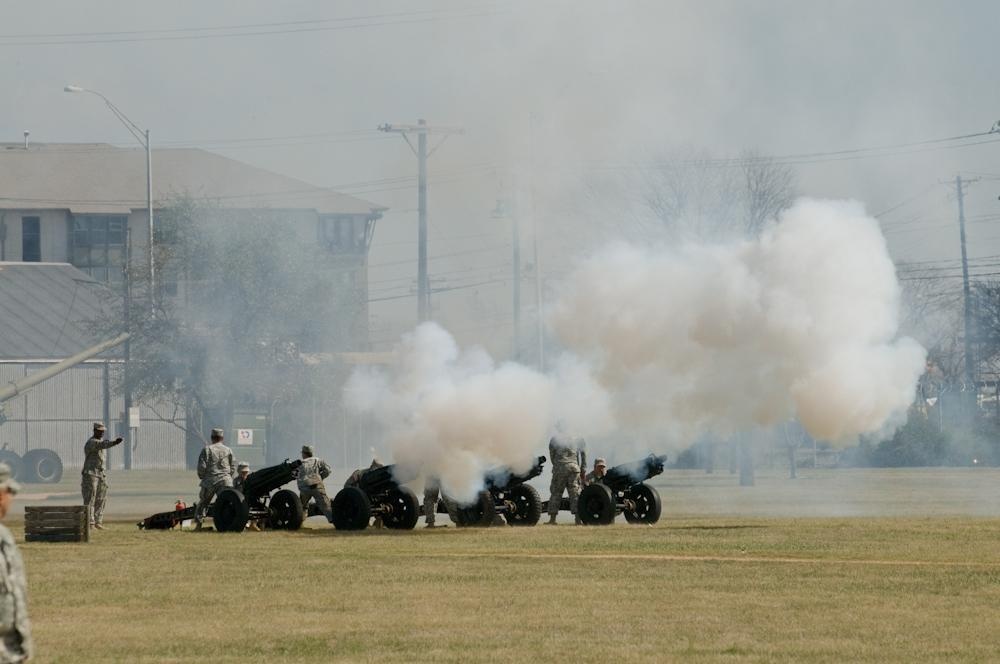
(141, 135)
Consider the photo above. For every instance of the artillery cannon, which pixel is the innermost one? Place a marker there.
(233, 508)
(622, 490)
(505, 494)
(378, 493)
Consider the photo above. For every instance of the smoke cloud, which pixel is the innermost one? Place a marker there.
(674, 341)
(724, 337)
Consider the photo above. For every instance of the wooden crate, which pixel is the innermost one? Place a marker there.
(67, 523)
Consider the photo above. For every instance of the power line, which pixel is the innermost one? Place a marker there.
(359, 22)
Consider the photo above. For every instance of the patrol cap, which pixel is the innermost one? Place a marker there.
(242, 464)
(7, 479)
(599, 461)
(307, 449)
(217, 433)
(99, 427)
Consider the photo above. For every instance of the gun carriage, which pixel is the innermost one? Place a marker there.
(622, 491)
(507, 495)
(379, 494)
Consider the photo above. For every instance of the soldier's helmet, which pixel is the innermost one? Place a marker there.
(307, 450)
(243, 465)
(218, 433)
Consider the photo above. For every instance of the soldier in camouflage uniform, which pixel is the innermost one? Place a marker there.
(568, 455)
(432, 491)
(15, 626)
(215, 470)
(310, 476)
(94, 483)
(242, 473)
(596, 476)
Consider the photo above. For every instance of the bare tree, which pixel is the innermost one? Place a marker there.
(768, 189)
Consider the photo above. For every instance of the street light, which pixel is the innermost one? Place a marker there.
(142, 136)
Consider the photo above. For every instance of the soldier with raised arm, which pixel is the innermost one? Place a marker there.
(216, 469)
(568, 455)
(94, 482)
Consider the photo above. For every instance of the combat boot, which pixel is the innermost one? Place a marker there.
(551, 521)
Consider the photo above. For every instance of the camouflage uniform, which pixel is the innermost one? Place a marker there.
(215, 470)
(432, 491)
(567, 454)
(93, 481)
(310, 480)
(15, 626)
(592, 478)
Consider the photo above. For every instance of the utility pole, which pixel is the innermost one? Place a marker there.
(127, 306)
(970, 368)
(421, 130)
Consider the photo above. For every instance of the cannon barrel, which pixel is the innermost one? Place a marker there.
(262, 482)
(500, 480)
(379, 481)
(625, 475)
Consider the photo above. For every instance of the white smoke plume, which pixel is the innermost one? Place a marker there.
(456, 415)
(800, 322)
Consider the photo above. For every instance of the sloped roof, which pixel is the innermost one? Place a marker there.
(44, 309)
(100, 178)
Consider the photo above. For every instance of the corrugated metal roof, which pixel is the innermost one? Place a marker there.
(44, 309)
(103, 178)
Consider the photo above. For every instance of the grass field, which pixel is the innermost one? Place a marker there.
(835, 566)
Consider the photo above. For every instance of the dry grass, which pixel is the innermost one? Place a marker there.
(694, 588)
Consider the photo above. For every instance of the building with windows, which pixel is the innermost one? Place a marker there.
(85, 205)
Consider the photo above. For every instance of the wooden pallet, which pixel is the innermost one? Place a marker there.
(67, 523)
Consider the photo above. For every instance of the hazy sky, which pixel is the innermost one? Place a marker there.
(547, 92)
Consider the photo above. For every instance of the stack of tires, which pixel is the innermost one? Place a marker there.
(40, 466)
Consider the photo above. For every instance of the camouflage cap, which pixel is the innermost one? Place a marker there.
(307, 449)
(599, 461)
(7, 480)
(218, 433)
(99, 427)
(242, 464)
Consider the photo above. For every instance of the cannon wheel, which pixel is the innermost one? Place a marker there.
(43, 466)
(404, 509)
(596, 506)
(231, 512)
(351, 509)
(480, 513)
(527, 506)
(284, 512)
(647, 504)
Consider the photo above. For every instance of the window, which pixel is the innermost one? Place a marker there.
(31, 239)
(99, 245)
(343, 234)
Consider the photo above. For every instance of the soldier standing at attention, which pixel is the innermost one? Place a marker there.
(215, 470)
(568, 455)
(311, 474)
(94, 483)
(597, 474)
(15, 627)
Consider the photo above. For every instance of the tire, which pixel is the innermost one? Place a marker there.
(351, 509)
(230, 511)
(14, 461)
(596, 506)
(479, 514)
(527, 506)
(647, 504)
(284, 511)
(403, 509)
(42, 466)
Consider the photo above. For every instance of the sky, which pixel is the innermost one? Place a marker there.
(547, 94)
